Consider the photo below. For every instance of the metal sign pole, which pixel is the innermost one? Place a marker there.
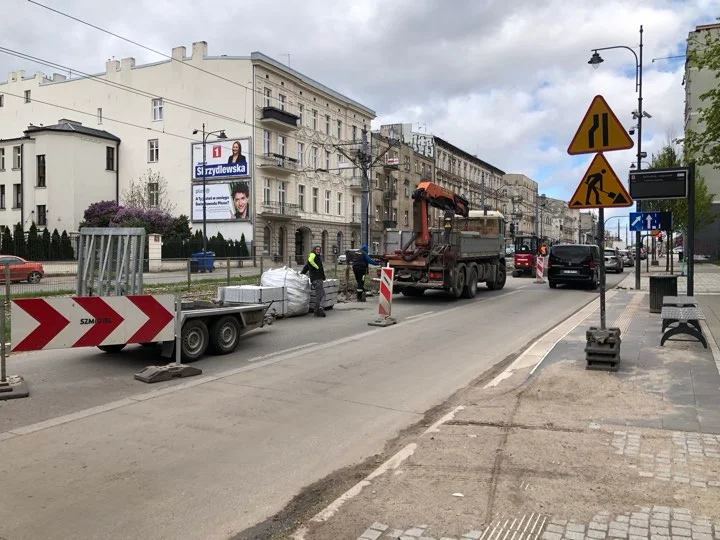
(601, 245)
(3, 372)
(178, 329)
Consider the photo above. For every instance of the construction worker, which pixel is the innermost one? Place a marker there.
(360, 264)
(314, 268)
(543, 250)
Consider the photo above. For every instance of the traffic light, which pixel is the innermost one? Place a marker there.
(512, 230)
(660, 237)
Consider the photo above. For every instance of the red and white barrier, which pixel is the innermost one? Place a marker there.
(89, 321)
(387, 275)
(540, 269)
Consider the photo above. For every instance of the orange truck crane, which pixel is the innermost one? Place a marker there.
(468, 249)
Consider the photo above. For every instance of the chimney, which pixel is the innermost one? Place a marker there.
(112, 66)
(178, 53)
(199, 50)
(68, 121)
(127, 64)
(40, 76)
(57, 77)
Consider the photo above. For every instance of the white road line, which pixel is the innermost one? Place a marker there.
(419, 315)
(284, 351)
(449, 416)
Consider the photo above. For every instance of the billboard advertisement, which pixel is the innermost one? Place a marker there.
(226, 201)
(228, 158)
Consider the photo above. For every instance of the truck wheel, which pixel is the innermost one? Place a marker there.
(112, 348)
(459, 281)
(194, 340)
(224, 335)
(470, 289)
(500, 279)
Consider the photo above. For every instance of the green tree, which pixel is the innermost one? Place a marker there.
(67, 253)
(45, 244)
(19, 241)
(701, 139)
(33, 243)
(243, 250)
(55, 248)
(8, 246)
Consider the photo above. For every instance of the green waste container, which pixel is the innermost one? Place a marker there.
(661, 285)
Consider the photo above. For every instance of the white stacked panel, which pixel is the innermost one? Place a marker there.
(254, 294)
(332, 287)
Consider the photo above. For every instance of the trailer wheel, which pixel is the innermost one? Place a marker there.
(500, 279)
(224, 335)
(112, 348)
(459, 281)
(470, 289)
(194, 340)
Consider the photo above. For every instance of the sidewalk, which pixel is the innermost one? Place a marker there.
(557, 452)
(707, 277)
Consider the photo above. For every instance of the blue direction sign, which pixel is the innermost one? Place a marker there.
(645, 221)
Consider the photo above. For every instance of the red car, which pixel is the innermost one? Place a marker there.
(20, 269)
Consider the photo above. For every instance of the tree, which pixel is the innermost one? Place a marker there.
(100, 214)
(33, 243)
(243, 247)
(8, 246)
(67, 253)
(701, 142)
(55, 249)
(45, 244)
(19, 241)
(148, 191)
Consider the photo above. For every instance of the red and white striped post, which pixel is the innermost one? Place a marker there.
(540, 269)
(387, 276)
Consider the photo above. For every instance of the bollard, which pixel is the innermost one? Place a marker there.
(12, 387)
(387, 276)
(261, 272)
(540, 269)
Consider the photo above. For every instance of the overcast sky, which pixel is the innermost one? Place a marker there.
(506, 80)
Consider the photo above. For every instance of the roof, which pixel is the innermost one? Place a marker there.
(467, 155)
(260, 57)
(66, 126)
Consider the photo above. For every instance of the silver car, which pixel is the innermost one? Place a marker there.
(628, 257)
(613, 260)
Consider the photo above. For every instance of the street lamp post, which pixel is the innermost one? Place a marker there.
(595, 61)
(220, 135)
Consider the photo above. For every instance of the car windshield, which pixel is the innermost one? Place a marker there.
(610, 252)
(570, 254)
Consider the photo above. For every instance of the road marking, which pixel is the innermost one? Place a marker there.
(419, 315)
(272, 358)
(449, 416)
(284, 351)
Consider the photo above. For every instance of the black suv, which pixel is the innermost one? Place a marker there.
(574, 263)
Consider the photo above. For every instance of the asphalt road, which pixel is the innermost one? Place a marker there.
(306, 397)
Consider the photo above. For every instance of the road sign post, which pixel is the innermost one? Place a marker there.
(11, 387)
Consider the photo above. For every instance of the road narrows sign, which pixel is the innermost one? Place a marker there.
(600, 188)
(599, 131)
(59, 323)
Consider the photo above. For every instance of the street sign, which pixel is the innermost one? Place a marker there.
(645, 221)
(600, 131)
(600, 188)
(659, 184)
(89, 321)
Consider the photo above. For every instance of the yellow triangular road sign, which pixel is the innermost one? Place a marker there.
(600, 131)
(600, 188)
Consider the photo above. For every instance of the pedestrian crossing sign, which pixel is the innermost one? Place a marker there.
(600, 188)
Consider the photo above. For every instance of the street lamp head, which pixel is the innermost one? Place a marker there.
(595, 60)
(222, 135)
(633, 166)
(195, 131)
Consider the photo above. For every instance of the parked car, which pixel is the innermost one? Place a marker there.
(628, 257)
(20, 269)
(342, 259)
(613, 260)
(574, 263)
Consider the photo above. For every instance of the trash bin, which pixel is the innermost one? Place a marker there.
(660, 286)
(194, 266)
(206, 260)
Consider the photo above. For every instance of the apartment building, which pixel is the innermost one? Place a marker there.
(559, 223)
(698, 82)
(522, 193)
(398, 171)
(588, 228)
(263, 131)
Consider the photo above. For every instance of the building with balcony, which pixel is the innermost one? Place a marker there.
(588, 228)
(284, 124)
(396, 174)
(523, 194)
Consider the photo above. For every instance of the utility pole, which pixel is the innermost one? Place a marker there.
(364, 159)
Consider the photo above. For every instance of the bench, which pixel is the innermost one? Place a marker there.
(680, 301)
(688, 319)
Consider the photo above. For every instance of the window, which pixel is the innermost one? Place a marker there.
(313, 157)
(2, 159)
(268, 96)
(41, 212)
(394, 215)
(281, 145)
(109, 158)
(300, 153)
(406, 218)
(301, 197)
(157, 109)
(99, 115)
(281, 101)
(340, 204)
(2, 100)
(266, 142)
(282, 193)
(339, 129)
(17, 196)
(327, 124)
(266, 190)
(153, 150)
(327, 160)
(328, 194)
(40, 171)
(340, 159)
(353, 203)
(314, 119)
(354, 133)
(27, 96)
(315, 199)
(17, 157)
(301, 110)
(2, 197)
(378, 213)
(153, 193)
